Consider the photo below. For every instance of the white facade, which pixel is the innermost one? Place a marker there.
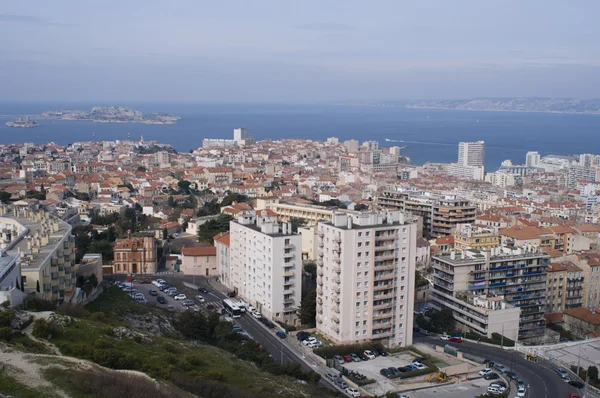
(500, 179)
(223, 263)
(366, 272)
(532, 159)
(466, 172)
(266, 265)
(240, 133)
(10, 273)
(471, 153)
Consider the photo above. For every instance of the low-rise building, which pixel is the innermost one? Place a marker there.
(564, 286)
(199, 261)
(222, 243)
(135, 255)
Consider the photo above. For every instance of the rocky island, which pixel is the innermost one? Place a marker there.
(112, 114)
(23, 122)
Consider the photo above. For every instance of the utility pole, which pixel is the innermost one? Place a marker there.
(587, 382)
(579, 359)
(502, 338)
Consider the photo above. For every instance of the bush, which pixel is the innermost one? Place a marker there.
(329, 352)
(362, 382)
(39, 304)
(44, 329)
(6, 334)
(98, 316)
(73, 310)
(496, 339)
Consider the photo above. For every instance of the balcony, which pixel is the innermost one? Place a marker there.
(53, 270)
(336, 318)
(321, 244)
(384, 296)
(337, 259)
(337, 329)
(288, 301)
(288, 273)
(289, 246)
(336, 290)
(384, 277)
(319, 319)
(379, 315)
(336, 309)
(319, 291)
(382, 335)
(47, 280)
(320, 281)
(337, 239)
(320, 273)
(385, 257)
(337, 299)
(289, 282)
(383, 306)
(385, 267)
(385, 237)
(288, 255)
(337, 270)
(320, 254)
(337, 280)
(321, 234)
(384, 286)
(60, 260)
(320, 311)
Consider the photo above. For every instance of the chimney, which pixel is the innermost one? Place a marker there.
(452, 255)
(349, 218)
(284, 228)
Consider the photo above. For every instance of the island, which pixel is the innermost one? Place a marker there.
(23, 122)
(112, 114)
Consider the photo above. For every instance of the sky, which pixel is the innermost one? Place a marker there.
(297, 51)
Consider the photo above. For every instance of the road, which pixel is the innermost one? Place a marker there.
(543, 382)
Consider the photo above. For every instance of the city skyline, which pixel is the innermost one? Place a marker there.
(231, 51)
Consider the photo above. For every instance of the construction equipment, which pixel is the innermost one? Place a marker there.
(437, 377)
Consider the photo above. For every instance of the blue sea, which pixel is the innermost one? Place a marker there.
(430, 135)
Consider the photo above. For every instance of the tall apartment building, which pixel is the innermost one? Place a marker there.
(440, 213)
(516, 275)
(564, 287)
(366, 272)
(471, 153)
(266, 264)
(135, 255)
(44, 245)
(223, 257)
(532, 159)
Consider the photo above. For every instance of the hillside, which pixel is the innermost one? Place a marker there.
(116, 342)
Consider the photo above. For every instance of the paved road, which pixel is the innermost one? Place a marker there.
(543, 382)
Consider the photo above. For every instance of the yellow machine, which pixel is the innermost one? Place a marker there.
(437, 377)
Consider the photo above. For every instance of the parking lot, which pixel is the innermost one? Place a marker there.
(210, 298)
(372, 367)
(470, 388)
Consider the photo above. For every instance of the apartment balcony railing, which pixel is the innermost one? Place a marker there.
(383, 296)
(337, 269)
(336, 290)
(335, 318)
(336, 309)
(378, 316)
(383, 306)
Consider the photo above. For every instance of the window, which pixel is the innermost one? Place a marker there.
(358, 303)
(364, 332)
(366, 254)
(357, 294)
(359, 244)
(364, 323)
(358, 284)
(358, 265)
(359, 234)
(366, 274)
(358, 274)
(358, 323)
(359, 254)
(367, 233)
(358, 314)
(365, 303)
(367, 243)
(357, 333)
(366, 284)
(277, 315)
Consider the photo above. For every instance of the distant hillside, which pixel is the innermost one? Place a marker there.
(555, 105)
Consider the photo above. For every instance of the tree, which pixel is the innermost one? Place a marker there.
(141, 168)
(311, 268)
(308, 309)
(443, 319)
(184, 186)
(82, 196)
(37, 286)
(297, 222)
(361, 207)
(593, 373)
(4, 197)
(233, 197)
(209, 208)
(209, 229)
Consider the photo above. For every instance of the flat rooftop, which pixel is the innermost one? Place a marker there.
(44, 251)
(569, 353)
(7, 260)
(480, 258)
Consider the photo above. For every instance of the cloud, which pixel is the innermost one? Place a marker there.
(29, 19)
(326, 26)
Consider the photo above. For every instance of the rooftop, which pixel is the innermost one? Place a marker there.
(502, 253)
(7, 260)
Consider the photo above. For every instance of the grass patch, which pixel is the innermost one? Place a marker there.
(114, 302)
(329, 352)
(23, 342)
(441, 364)
(11, 386)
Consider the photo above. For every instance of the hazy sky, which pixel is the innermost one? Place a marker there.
(280, 50)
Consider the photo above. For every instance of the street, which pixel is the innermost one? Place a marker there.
(543, 382)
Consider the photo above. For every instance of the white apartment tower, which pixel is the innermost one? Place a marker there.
(241, 133)
(266, 264)
(532, 159)
(471, 153)
(366, 275)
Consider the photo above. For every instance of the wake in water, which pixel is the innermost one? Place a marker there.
(451, 144)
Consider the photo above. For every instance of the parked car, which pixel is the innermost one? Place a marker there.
(419, 359)
(512, 376)
(347, 358)
(180, 296)
(353, 392)
(256, 314)
(339, 359)
(404, 369)
(501, 367)
(161, 300)
(170, 308)
(200, 298)
(424, 332)
(445, 337)
(419, 365)
(309, 341)
(281, 334)
(491, 376)
(157, 283)
(384, 372)
(355, 357)
(455, 340)
(202, 290)
(381, 352)
(493, 390)
(152, 292)
(145, 281)
(331, 376)
(315, 344)
(174, 293)
(498, 386)
(188, 303)
(485, 371)
(363, 357)
(576, 384)
(393, 371)
(562, 373)
(342, 383)
(521, 392)
(369, 354)
(301, 336)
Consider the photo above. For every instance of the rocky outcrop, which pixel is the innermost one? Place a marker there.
(112, 114)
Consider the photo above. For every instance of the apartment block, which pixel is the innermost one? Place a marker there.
(44, 246)
(469, 236)
(266, 264)
(223, 257)
(10, 273)
(440, 213)
(564, 287)
(286, 211)
(515, 274)
(135, 255)
(366, 276)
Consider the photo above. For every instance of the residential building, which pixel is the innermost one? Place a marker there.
(45, 248)
(466, 172)
(582, 322)
(471, 153)
(222, 242)
(561, 238)
(366, 269)
(564, 286)
(309, 242)
(515, 274)
(469, 236)
(91, 264)
(286, 211)
(532, 159)
(135, 255)
(266, 264)
(500, 179)
(10, 273)
(199, 261)
(440, 213)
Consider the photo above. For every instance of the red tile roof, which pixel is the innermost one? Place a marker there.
(199, 251)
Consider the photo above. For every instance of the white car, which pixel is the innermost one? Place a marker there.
(256, 314)
(180, 296)
(445, 337)
(309, 341)
(157, 283)
(315, 344)
(493, 390)
(521, 392)
(498, 387)
(419, 365)
(200, 298)
(353, 392)
(369, 354)
(485, 371)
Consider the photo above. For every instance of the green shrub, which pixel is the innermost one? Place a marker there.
(6, 334)
(44, 329)
(329, 352)
(39, 304)
(73, 310)
(98, 316)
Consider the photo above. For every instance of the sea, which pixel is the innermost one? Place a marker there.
(429, 135)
